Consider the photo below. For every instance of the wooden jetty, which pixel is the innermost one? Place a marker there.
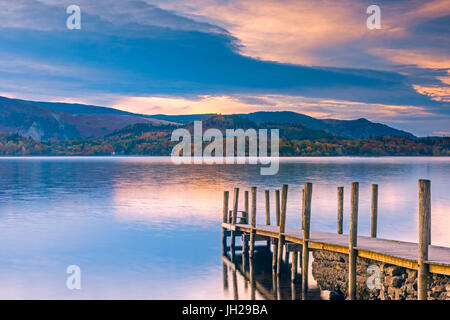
(422, 256)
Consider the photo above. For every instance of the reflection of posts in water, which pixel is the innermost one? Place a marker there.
(293, 293)
(225, 220)
(252, 280)
(225, 276)
(275, 284)
(253, 222)
(284, 192)
(275, 254)
(245, 239)
(235, 287)
(306, 221)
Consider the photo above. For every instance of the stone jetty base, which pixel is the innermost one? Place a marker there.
(375, 280)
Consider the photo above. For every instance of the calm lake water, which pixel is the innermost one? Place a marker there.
(143, 228)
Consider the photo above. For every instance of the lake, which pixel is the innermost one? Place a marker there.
(144, 228)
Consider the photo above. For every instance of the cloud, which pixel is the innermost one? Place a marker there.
(210, 53)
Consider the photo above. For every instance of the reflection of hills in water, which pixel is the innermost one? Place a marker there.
(248, 279)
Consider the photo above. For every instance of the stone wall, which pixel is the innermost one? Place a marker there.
(330, 270)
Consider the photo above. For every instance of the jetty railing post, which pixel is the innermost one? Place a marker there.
(267, 195)
(233, 221)
(253, 221)
(424, 238)
(306, 223)
(340, 212)
(246, 207)
(225, 220)
(294, 263)
(277, 218)
(353, 240)
(284, 191)
(374, 210)
(277, 206)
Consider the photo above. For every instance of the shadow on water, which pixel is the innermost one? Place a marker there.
(251, 279)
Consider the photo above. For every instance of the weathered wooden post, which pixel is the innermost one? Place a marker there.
(306, 223)
(277, 218)
(353, 240)
(267, 196)
(294, 263)
(340, 212)
(253, 222)
(225, 276)
(277, 204)
(233, 220)
(284, 191)
(424, 238)
(374, 210)
(246, 207)
(225, 220)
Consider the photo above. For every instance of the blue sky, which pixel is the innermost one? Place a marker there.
(191, 56)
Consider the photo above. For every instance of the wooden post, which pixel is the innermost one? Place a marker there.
(246, 207)
(267, 194)
(424, 238)
(374, 210)
(277, 203)
(225, 276)
(225, 220)
(340, 212)
(294, 255)
(353, 240)
(284, 191)
(275, 254)
(233, 220)
(306, 219)
(253, 221)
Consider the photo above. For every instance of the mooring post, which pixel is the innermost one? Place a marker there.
(306, 223)
(225, 220)
(246, 207)
(233, 221)
(294, 256)
(253, 222)
(225, 276)
(340, 212)
(424, 238)
(277, 204)
(267, 195)
(353, 240)
(284, 191)
(374, 210)
(277, 218)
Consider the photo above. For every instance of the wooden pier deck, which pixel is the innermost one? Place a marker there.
(400, 253)
(422, 256)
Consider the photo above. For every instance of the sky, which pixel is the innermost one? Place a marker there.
(235, 56)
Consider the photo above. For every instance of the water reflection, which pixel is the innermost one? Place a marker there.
(144, 228)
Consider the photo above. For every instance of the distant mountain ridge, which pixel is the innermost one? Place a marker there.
(61, 121)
